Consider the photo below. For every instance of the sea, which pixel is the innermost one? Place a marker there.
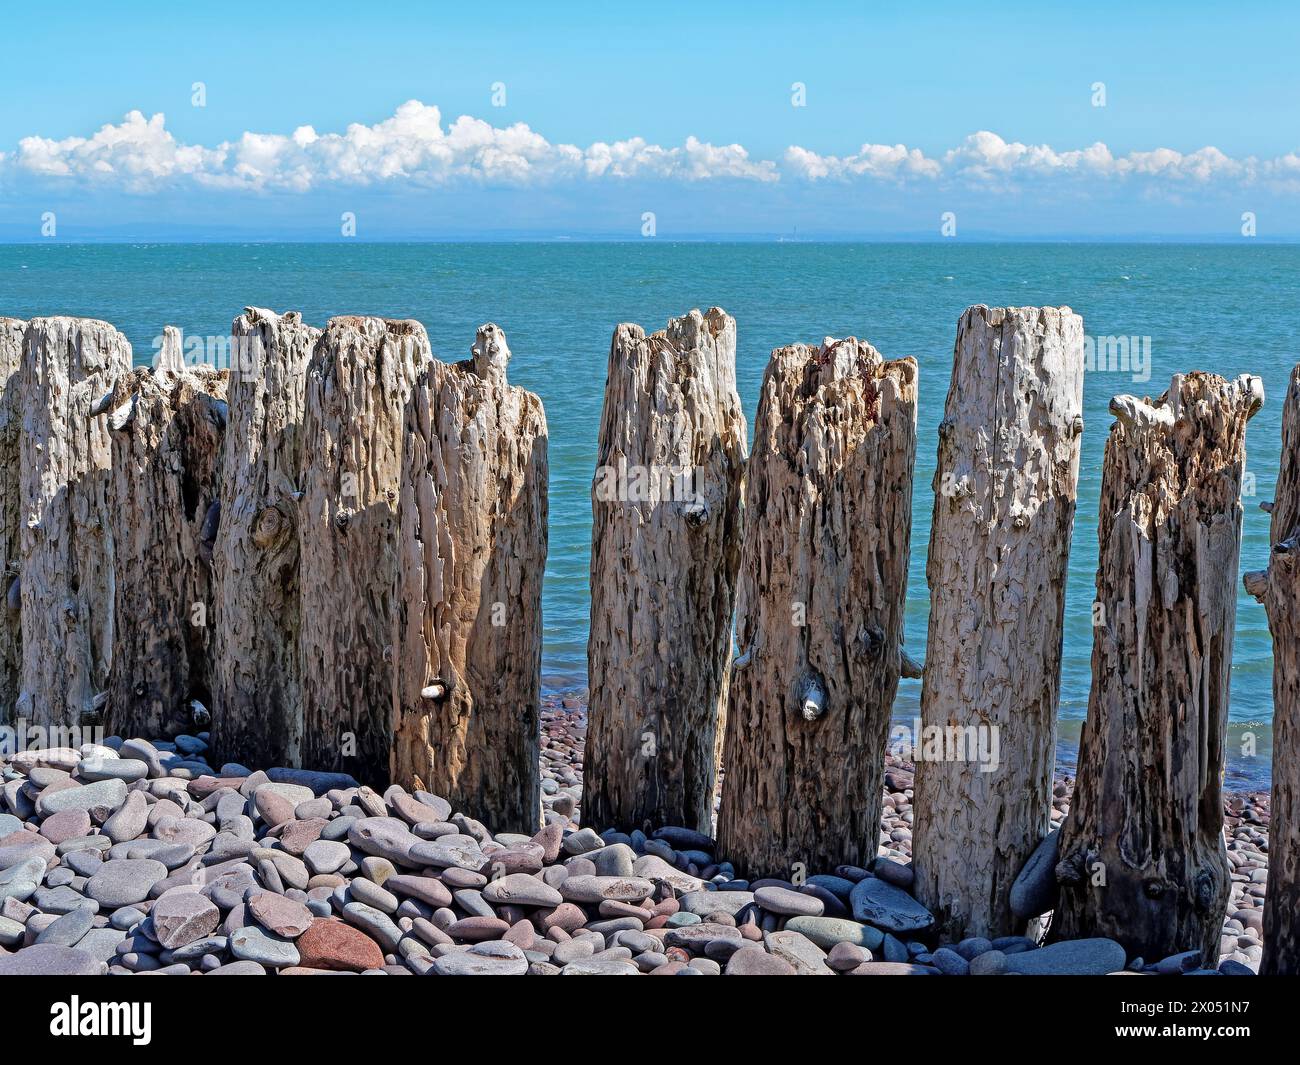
(1151, 311)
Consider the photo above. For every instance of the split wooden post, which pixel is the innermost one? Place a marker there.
(257, 698)
(359, 384)
(11, 420)
(473, 514)
(1278, 588)
(1142, 854)
(167, 427)
(665, 547)
(69, 367)
(1004, 495)
(820, 607)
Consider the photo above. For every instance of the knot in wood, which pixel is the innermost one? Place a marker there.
(1204, 891)
(872, 639)
(269, 526)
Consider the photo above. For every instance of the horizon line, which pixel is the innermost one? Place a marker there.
(719, 238)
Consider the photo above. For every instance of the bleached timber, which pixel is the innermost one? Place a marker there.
(473, 538)
(359, 383)
(1142, 853)
(11, 633)
(666, 531)
(820, 602)
(167, 426)
(69, 365)
(1004, 496)
(1278, 588)
(253, 537)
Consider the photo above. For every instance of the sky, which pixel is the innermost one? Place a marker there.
(683, 121)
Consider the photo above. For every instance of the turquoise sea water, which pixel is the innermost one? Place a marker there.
(1225, 308)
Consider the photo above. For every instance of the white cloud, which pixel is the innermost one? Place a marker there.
(138, 153)
(986, 158)
(410, 147)
(985, 155)
(413, 147)
(890, 162)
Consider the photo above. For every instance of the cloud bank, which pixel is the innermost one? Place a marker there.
(413, 148)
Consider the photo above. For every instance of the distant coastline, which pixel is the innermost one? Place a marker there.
(72, 235)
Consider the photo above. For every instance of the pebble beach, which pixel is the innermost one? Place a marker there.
(139, 857)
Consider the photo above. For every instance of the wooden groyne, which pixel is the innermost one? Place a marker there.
(1004, 492)
(1278, 588)
(333, 547)
(360, 381)
(167, 430)
(820, 608)
(255, 533)
(1142, 858)
(473, 512)
(66, 375)
(334, 550)
(666, 535)
(11, 420)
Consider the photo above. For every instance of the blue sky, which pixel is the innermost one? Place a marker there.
(683, 111)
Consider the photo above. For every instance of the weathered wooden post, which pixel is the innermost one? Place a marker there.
(11, 631)
(1142, 854)
(359, 384)
(1004, 493)
(820, 607)
(1278, 588)
(167, 426)
(256, 697)
(665, 547)
(69, 365)
(473, 533)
